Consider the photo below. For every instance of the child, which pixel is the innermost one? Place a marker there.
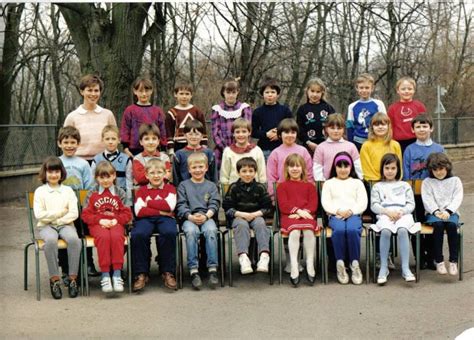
(106, 215)
(246, 205)
(298, 202)
(344, 198)
(55, 208)
(442, 195)
(266, 118)
(154, 206)
(193, 130)
(198, 203)
(177, 117)
(224, 114)
(393, 202)
(325, 152)
(119, 160)
(312, 116)
(404, 111)
(241, 129)
(89, 118)
(379, 143)
(361, 111)
(137, 114)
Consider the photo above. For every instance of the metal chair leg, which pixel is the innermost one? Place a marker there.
(221, 255)
(25, 267)
(129, 265)
(460, 254)
(230, 238)
(280, 263)
(417, 257)
(37, 265)
(272, 255)
(367, 257)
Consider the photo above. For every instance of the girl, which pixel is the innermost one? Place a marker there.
(55, 208)
(442, 195)
(393, 202)
(224, 114)
(380, 142)
(312, 115)
(344, 198)
(137, 114)
(298, 201)
(106, 216)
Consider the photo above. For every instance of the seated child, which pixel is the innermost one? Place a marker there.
(198, 203)
(246, 205)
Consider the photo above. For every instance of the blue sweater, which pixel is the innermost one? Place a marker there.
(265, 118)
(180, 165)
(79, 174)
(415, 157)
(197, 197)
(359, 115)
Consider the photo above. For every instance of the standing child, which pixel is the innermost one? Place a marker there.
(106, 215)
(312, 116)
(224, 114)
(442, 195)
(198, 203)
(55, 208)
(393, 202)
(403, 112)
(298, 202)
(361, 111)
(142, 111)
(344, 198)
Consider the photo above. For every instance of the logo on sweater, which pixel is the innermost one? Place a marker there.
(406, 111)
(324, 115)
(185, 119)
(207, 197)
(106, 200)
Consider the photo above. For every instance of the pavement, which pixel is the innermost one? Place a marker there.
(438, 307)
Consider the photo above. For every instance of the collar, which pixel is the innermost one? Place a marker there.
(83, 111)
(149, 186)
(102, 189)
(189, 107)
(146, 154)
(111, 155)
(199, 148)
(427, 142)
(329, 140)
(240, 150)
(51, 189)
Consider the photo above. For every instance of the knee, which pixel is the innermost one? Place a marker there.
(50, 241)
(353, 232)
(402, 232)
(385, 233)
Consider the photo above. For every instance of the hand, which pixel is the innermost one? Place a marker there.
(344, 213)
(104, 223)
(63, 212)
(443, 215)
(127, 151)
(304, 214)
(113, 222)
(295, 216)
(198, 218)
(312, 146)
(393, 214)
(272, 134)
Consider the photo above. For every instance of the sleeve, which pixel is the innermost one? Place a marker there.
(139, 172)
(366, 162)
(200, 116)
(226, 167)
(124, 214)
(409, 199)
(361, 201)
(357, 162)
(215, 200)
(406, 164)
(302, 136)
(457, 196)
(216, 130)
(87, 177)
(427, 195)
(176, 167)
(160, 122)
(170, 124)
(398, 152)
(309, 165)
(288, 113)
(376, 200)
(318, 170)
(312, 205)
(125, 128)
(39, 209)
(327, 201)
(272, 171)
(166, 204)
(69, 121)
(285, 203)
(89, 215)
(212, 167)
(266, 204)
(72, 211)
(261, 168)
(247, 113)
(129, 182)
(257, 131)
(228, 203)
(350, 122)
(182, 205)
(381, 106)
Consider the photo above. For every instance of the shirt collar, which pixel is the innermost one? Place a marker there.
(51, 189)
(427, 142)
(146, 154)
(83, 111)
(102, 189)
(335, 141)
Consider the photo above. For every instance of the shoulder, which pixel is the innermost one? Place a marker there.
(169, 187)
(67, 190)
(378, 102)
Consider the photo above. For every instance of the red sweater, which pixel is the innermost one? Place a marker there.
(105, 206)
(175, 120)
(150, 202)
(401, 114)
(139, 162)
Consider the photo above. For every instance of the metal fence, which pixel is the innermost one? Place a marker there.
(454, 130)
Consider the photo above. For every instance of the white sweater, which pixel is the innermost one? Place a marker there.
(228, 171)
(344, 194)
(55, 206)
(445, 194)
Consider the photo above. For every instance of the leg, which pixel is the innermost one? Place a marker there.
(192, 237)
(241, 235)
(102, 242)
(117, 240)
(50, 238)
(309, 244)
(74, 245)
(167, 244)
(354, 230)
(262, 234)
(404, 250)
(140, 244)
(438, 235)
(452, 231)
(294, 247)
(338, 237)
(384, 238)
(209, 229)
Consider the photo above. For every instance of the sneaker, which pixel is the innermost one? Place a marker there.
(356, 273)
(196, 281)
(117, 284)
(342, 276)
(441, 268)
(409, 277)
(106, 284)
(382, 278)
(213, 279)
(453, 268)
(390, 263)
(262, 265)
(72, 289)
(55, 287)
(245, 264)
(140, 282)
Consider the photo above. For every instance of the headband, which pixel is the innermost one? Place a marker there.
(343, 158)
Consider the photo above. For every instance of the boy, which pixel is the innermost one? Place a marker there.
(266, 118)
(361, 111)
(246, 204)
(193, 130)
(241, 130)
(154, 205)
(177, 117)
(119, 160)
(198, 203)
(89, 118)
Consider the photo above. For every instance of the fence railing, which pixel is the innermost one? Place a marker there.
(454, 130)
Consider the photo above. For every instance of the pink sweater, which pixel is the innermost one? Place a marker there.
(324, 156)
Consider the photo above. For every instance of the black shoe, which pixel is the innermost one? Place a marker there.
(295, 281)
(72, 289)
(430, 265)
(196, 281)
(91, 271)
(311, 279)
(56, 289)
(65, 279)
(213, 280)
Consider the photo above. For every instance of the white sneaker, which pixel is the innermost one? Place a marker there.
(262, 265)
(409, 277)
(453, 268)
(356, 273)
(390, 263)
(441, 268)
(106, 285)
(245, 264)
(382, 278)
(342, 276)
(118, 284)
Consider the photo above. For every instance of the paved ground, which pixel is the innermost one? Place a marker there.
(436, 308)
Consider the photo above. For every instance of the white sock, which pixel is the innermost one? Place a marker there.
(309, 243)
(294, 246)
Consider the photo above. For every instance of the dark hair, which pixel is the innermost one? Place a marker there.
(104, 169)
(271, 83)
(145, 129)
(344, 163)
(141, 81)
(50, 164)
(287, 125)
(230, 85)
(183, 87)
(246, 162)
(389, 158)
(193, 124)
(69, 131)
(423, 118)
(438, 160)
(89, 80)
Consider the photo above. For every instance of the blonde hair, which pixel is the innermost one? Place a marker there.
(316, 82)
(241, 123)
(336, 119)
(364, 77)
(104, 169)
(197, 157)
(377, 119)
(156, 164)
(109, 128)
(295, 159)
(407, 79)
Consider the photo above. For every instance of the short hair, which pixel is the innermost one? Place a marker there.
(316, 82)
(104, 169)
(407, 79)
(438, 160)
(247, 162)
(183, 87)
(193, 124)
(344, 163)
(287, 125)
(271, 83)
(197, 157)
(142, 81)
(50, 164)
(389, 158)
(69, 131)
(230, 85)
(241, 123)
(364, 77)
(110, 128)
(89, 80)
(295, 159)
(146, 129)
(423, 118)
(336, 119)
(155, 163)
(377, 119)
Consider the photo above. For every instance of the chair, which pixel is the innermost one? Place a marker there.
(39, 245)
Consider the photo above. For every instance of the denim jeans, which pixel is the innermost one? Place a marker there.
(193, 232)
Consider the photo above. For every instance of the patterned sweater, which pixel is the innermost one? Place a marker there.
(359, 115)
(401, 114)
(55, 206)
(176, 118)
(139, 162)
(152, 202)
(106, 204)
(444, 195)
(415, 158)
(311, 118)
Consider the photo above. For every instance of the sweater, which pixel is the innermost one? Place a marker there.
(55, 206)
(394, 195)
(90, 125)
(371, 155)
(180, 164)
(344, 194)
(415, 158)
(78, 173)
(151, 202)
(229, 174)
(359, 115)
(139, 162)
(265, 118)
(311, 119)
(106, 204)
(197, 198)
(444, 195)
(175, 120)
(401, 114)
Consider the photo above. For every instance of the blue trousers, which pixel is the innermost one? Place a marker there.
(346, 232)
(193, 232)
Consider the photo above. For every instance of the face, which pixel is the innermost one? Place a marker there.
(155, 176)
(53, 177)
(364, 90)
(150, 142)
(111, 141)
(440, 173)
(335, 132)
(106, 181)
(406, 91)
(194, 138)
(270, 96)
(241, 136)
(380, 129)
(343, 172)
(422, 131)
(69, 146)
(91, 95)
(183, 97)
(288, 138)
(314, 94)
(197, 170)
(390, 171)
(295, 171)
(230, 97)
(143, 94)
(247, 174)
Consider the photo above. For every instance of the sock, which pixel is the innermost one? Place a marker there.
(117, 273)
(194, 271)
(105, 274)
(309, 243)
(294, 246)
(212, 269)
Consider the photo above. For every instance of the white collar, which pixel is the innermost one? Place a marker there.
(427, 142)
(329, 140)
(51, 189)
(81, 110)
(111, 189)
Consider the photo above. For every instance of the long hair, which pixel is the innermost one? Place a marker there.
(345, 161)
(389, 158)
(295, 159)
